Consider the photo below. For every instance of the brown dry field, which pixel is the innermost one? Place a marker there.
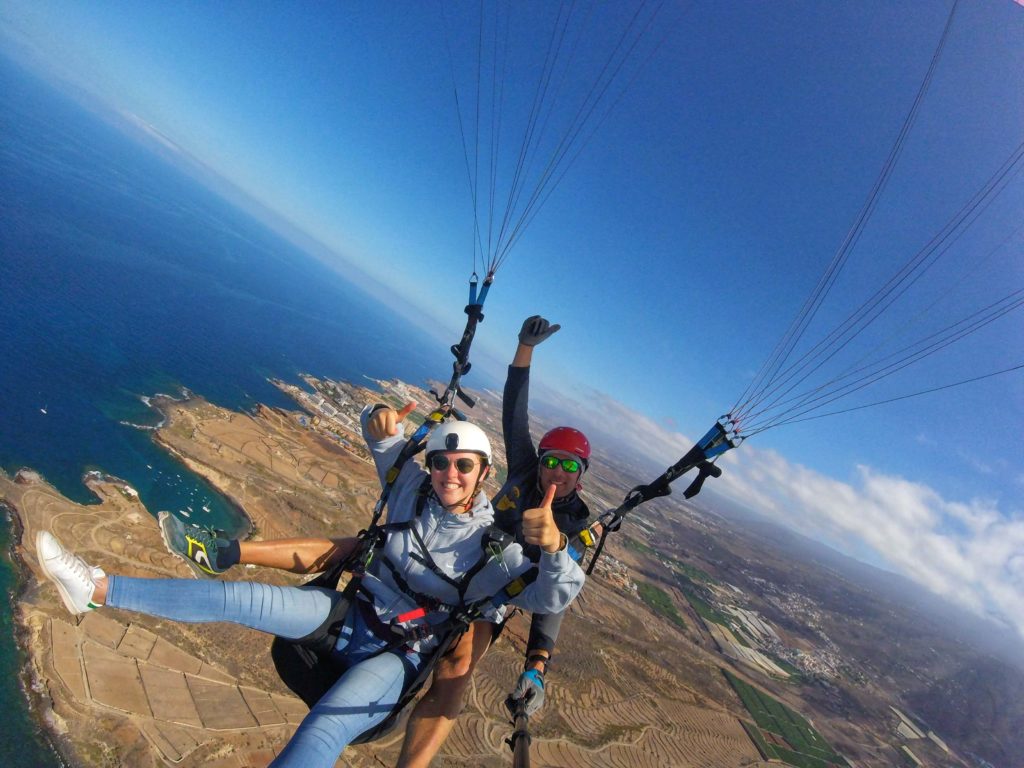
(626, 688)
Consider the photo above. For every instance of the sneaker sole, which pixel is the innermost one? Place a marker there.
(197, 572)
(64, 596)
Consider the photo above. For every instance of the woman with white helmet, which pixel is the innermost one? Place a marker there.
(554, 468)
(433, 558)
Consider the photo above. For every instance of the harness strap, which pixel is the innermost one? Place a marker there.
(473, 570)
(475, 610)
(459, 617)
(373, 538)
(427, 561)
(508, 592)
(427, 601)
(389, 633)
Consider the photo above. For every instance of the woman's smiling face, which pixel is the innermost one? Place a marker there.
(457, 481)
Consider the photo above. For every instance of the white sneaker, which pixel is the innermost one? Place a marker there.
(74, 578)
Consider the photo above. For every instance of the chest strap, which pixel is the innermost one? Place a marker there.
(424, 558)
(459, 618)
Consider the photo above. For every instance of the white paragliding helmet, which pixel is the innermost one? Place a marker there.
(459, 436)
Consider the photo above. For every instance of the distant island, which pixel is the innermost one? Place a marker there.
(696, 643)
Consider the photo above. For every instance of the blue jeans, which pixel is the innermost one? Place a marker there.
(363, 696)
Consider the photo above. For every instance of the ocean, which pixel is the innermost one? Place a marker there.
(121, 277)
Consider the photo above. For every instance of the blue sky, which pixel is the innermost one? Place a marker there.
(683, 239)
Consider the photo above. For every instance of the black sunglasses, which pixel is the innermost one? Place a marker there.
(569, 465)
(440, 462)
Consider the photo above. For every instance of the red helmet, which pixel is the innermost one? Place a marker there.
(568, 440)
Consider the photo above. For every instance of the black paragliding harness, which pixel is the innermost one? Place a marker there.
(723, 436)
(306, 665)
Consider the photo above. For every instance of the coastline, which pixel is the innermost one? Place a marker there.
(233, 503)
(162, 403)
(280, 479)
(31, 685)
(284, 475)
(126, 689)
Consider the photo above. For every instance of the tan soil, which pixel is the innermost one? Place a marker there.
(125, 689)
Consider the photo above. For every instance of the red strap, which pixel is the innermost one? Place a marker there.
(416, 613)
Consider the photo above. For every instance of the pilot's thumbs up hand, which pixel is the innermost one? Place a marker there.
(384, 422)
(539, 525)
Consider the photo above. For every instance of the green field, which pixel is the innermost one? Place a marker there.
(808, 748)
(683, 569)
(706, 611)
(658, 601)
(795, 672)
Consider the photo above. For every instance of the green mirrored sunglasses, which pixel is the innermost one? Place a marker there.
(569, 465)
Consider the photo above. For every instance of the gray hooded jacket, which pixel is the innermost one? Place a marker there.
(455, 543)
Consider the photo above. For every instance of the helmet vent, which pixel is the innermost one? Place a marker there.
(451, 442)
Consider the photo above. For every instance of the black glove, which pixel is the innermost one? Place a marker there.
(535, 329)
(530, 686)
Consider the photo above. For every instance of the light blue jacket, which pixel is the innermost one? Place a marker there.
(455, 544)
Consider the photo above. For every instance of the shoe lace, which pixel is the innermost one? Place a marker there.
(76, 565)
(207, 533)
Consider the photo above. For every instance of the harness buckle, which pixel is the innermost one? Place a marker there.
(413, 634)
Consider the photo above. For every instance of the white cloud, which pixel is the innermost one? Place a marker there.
(151, 131)
(970, 552)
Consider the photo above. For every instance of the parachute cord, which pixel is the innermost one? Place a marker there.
(804, 405)
(865, 363)
(497, 103)
(890, 292)
(951, 335)
(832, 392)
(769, 370)
(477, 242)
(570, 142)
(535, 148)
(579, 120)
(958, 282)
(476, 139)
(565, 45)
(825, 284)
(518, 177)
(1017, 367)
(535, 132)
(856, 322)
(547, 187)
(525, 198)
